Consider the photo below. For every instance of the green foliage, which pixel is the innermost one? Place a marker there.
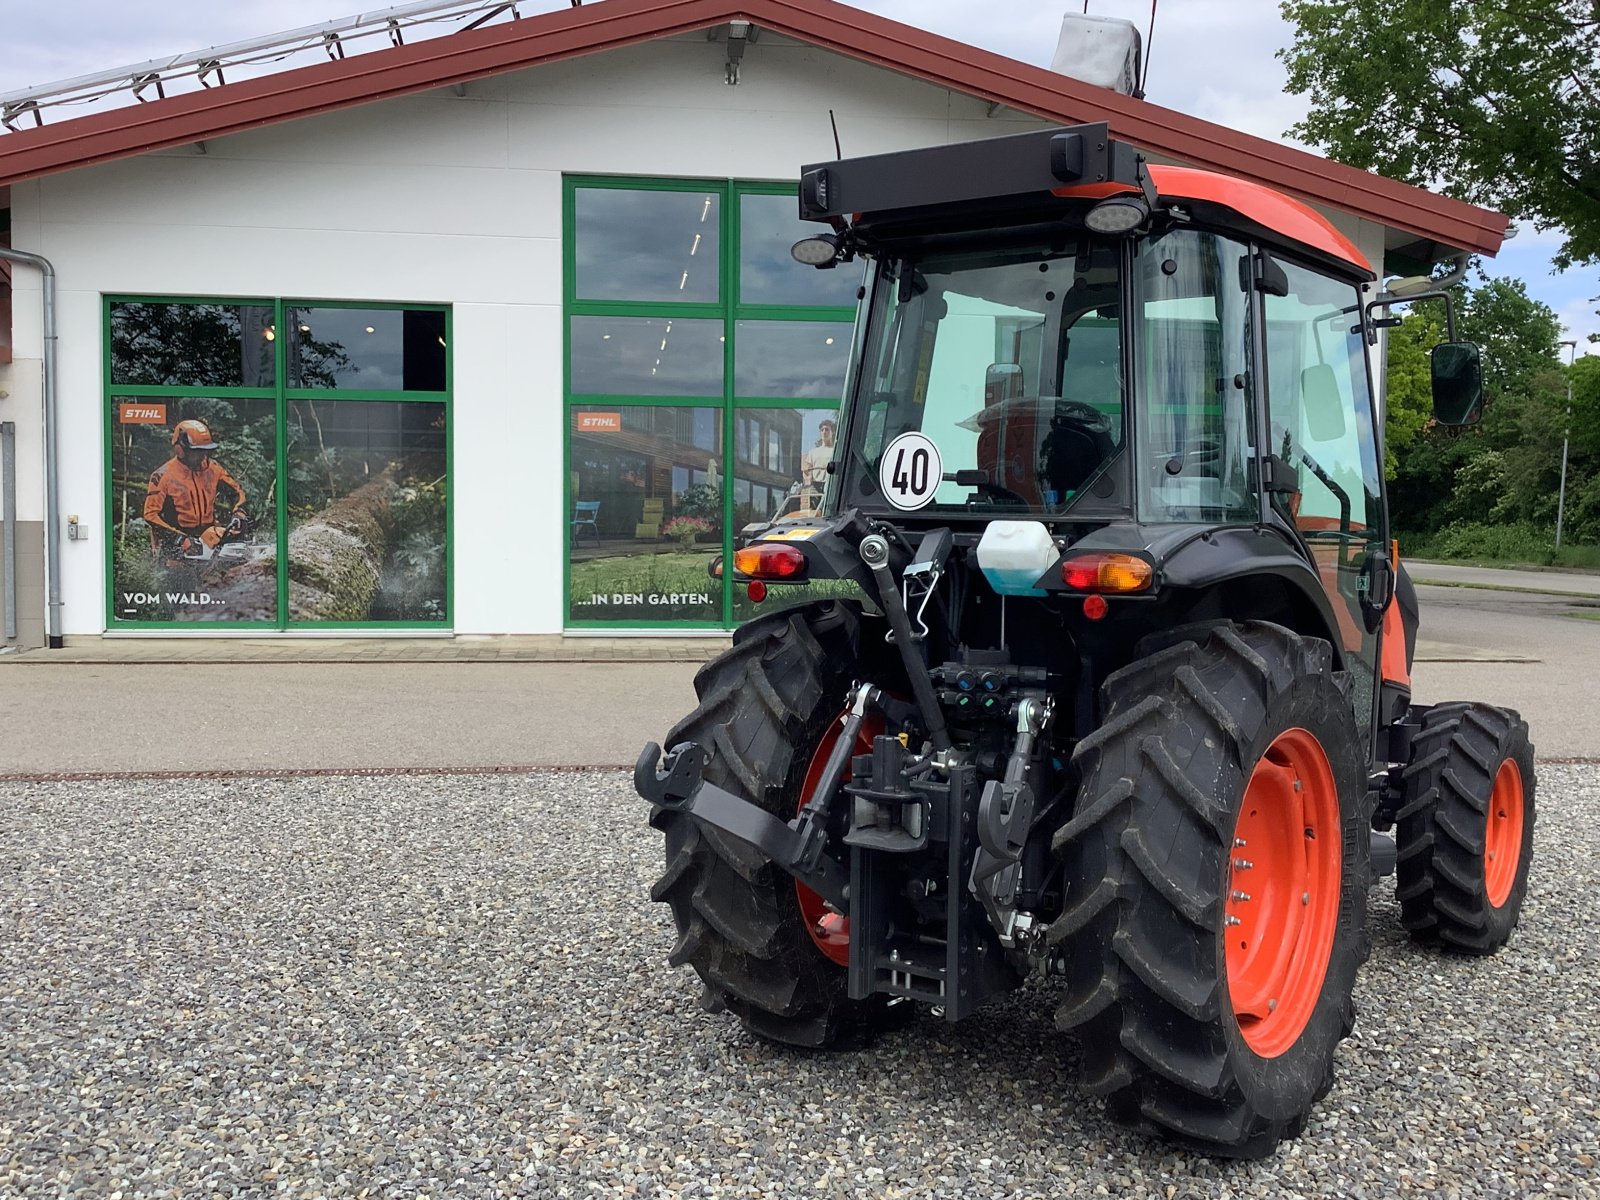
(412, 584)
(1520, 542)
(703, 501)
(686, 530)
(1506, 471)
(1410, 392)
(1495, 103)
(646, 575)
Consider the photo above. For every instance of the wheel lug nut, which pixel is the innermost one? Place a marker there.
(1232, 920)
(1239, 843)
(1272, 1006)
(1242, 864)
(1241, 895)
(1305, 897)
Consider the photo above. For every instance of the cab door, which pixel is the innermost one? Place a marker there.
(1323, 431)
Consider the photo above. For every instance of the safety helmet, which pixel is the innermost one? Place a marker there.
(193, 435)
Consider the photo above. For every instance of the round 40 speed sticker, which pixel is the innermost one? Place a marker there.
(910, 471)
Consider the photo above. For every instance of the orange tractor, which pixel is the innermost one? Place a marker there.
(1122, 704)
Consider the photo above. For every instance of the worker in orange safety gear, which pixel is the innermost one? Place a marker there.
(181, 504)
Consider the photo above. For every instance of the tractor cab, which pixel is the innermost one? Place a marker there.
(1148, 360)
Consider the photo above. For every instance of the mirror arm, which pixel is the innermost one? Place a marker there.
(1386, 301)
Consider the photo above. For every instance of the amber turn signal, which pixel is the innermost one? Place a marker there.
(767, 560)
(1107, 571)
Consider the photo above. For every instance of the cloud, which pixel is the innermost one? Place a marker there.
(1580, 321)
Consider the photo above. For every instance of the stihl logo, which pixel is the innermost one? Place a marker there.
(599, 422)
(142, 414)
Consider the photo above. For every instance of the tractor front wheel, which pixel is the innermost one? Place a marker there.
(1216, 875)
(1465, 827)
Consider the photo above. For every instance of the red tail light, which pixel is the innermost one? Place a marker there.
(1107, 571)
(768, 560)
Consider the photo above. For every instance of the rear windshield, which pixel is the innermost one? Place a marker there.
(1010, 364)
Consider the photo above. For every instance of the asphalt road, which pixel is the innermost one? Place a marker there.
(1557, 686)
(1525, 650)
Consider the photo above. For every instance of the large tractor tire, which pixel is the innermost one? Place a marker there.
(1465, 827)
(767, 709)
(1216, 869)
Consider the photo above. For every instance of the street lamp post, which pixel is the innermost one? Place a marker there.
(1566, 430)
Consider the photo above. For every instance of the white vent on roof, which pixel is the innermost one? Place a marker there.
(1103, 51)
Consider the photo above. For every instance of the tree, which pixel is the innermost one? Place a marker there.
(1495, 101)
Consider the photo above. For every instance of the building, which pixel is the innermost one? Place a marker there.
(495, 332)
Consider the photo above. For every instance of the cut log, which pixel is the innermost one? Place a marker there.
(335, 560)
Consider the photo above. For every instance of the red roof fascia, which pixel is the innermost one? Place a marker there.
(610, 24)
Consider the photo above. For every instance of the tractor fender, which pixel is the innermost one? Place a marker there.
(1249, 573)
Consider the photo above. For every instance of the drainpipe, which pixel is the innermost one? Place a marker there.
(52, 481)
(8, 523)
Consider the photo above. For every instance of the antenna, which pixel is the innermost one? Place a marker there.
(1150, 37)
(837, 153)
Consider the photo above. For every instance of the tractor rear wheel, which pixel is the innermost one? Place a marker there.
(1216, 875)
(766, 707)
(1465, 827)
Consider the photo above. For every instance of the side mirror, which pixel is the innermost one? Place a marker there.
(1457, 384)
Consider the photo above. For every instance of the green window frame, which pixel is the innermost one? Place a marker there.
(282, 396)
(732, 311)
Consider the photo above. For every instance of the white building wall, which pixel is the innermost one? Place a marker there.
(434, 198)
(439, 198)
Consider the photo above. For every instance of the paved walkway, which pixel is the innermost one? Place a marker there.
(292, 649)
(1575, 583)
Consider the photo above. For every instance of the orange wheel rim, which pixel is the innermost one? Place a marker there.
(1502, 842)
(1282, 907)
(828, 929)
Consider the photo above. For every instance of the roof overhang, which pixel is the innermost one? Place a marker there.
(1423, 216)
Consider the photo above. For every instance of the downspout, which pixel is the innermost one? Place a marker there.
(52, 481)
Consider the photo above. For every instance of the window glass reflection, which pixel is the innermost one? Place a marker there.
(368, 349)
(780, 471)
(647, 245)
(646, 520)
(161, 344)
(368, 511)
(646, 356)
(768, 273)
(791, 360)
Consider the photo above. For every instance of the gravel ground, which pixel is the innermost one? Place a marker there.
(457, 986)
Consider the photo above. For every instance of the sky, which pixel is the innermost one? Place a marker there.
(1214, 61)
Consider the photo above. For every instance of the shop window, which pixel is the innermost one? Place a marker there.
(788, 485)
(192, 513)
(646, 519)
(646, 356)
(367, 517)
(768, 274)
(654, 245)
(366, 349)
(791, 360)
(260, 484)
(737, 383)
(170, 344)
